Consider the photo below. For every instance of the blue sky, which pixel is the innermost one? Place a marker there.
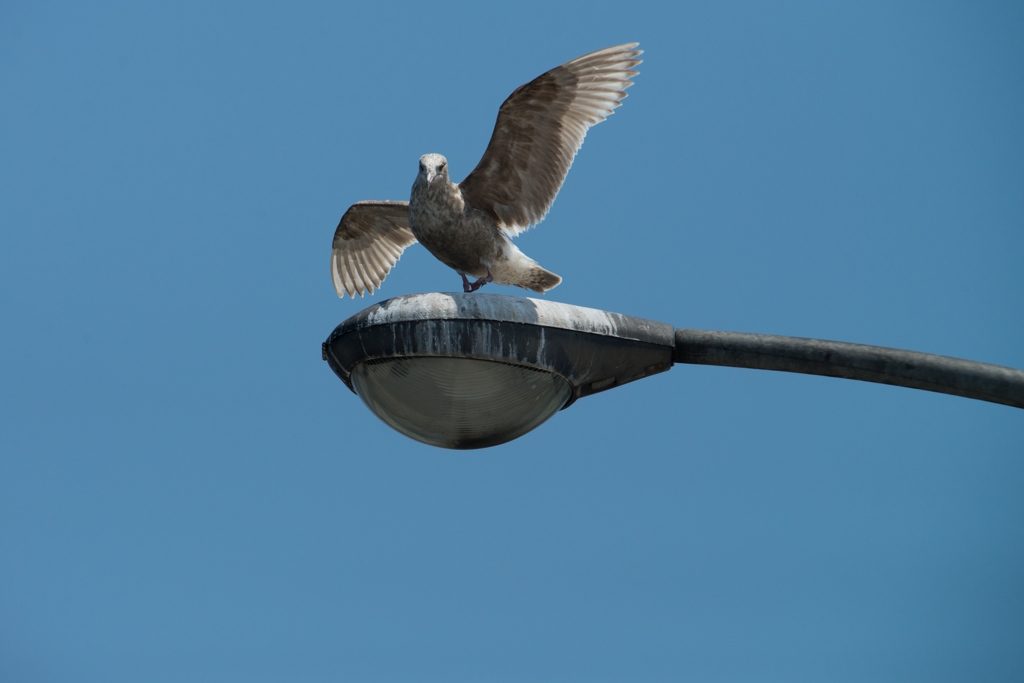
(188, 493)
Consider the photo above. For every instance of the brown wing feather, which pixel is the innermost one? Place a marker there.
(370, 238)
(540, 128)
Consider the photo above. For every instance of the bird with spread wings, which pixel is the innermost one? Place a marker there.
(468, 226)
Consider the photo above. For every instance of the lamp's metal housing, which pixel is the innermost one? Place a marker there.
(462, 401)
(590, 350)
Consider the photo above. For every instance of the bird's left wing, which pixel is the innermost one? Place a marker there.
(540, 128)
(368, 242)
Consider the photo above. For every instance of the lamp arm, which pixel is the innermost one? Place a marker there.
(912, 369)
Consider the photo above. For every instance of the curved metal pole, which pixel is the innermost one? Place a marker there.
(913, 369)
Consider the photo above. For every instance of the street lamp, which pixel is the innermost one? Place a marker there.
(477, 370)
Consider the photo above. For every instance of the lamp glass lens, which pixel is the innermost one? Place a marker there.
(459, 402)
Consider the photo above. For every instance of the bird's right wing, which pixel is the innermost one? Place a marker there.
(368, 242)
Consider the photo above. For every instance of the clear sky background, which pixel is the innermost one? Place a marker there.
(187, 493)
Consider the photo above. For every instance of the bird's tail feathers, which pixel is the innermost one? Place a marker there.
(518, 269)
(532, 277)
(540, 280)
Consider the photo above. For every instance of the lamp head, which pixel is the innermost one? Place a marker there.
(477, 370)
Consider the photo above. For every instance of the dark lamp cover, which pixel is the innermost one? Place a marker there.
(459, 402)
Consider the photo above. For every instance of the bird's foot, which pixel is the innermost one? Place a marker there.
(479, 283)
(468, 286)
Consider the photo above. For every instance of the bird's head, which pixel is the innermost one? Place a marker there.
(433, 166)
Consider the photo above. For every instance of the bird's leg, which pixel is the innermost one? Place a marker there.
(479, 283)
(466, 287)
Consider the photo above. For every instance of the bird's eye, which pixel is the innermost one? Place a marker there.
(441, 167)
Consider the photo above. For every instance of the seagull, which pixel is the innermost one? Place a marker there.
(469, 226)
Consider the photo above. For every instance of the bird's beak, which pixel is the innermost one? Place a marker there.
(430, 176)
